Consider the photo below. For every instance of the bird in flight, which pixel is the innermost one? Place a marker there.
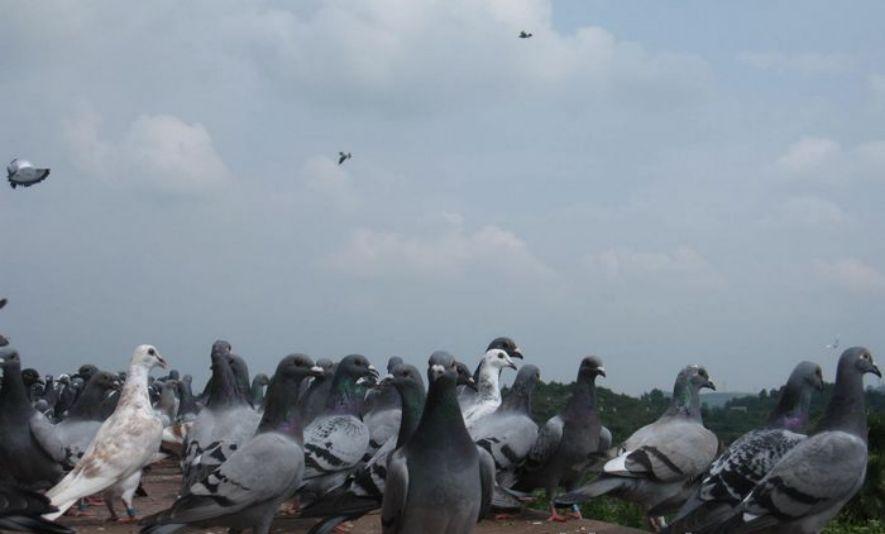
(524, 35)
(834, 345)
(342, 157)
(22, 172)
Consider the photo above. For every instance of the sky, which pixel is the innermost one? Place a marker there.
(656, 183)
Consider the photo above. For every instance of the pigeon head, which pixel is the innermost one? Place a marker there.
(528, 377)
(105, 381)
(220, 348)
(862, 360)
(696, 376)
(498, 359)
(30, 376)
(591, 367)
(9, 358)
(87, 371)
(392, 363)
(465, 378)
(507, 345)
(403, 375)
(442, 366)
(173, 374)
(807, 374)
(295, 367)
(261, 379)
(356, 366)
(147, 356)
(64, 378)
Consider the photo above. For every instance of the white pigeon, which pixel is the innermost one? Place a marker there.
(488, 397)
(126, 442)
(22, 172)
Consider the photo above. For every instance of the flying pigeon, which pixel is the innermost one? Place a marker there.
(657, 466)
(22, 172)
(751, 457)
(336, 441)
(30, 452)
(524, 35)
(226, 421)
(21, 511)
(342, 157)
(567, 442)
(439, 481)
(818, 476)
(247, 489)
(488, 395)
(2, 303)
(125, 443)
(834, 345)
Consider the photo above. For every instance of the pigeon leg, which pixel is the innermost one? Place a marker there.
(576, 512)
(505, 516)
(109, 502)
(554, 515)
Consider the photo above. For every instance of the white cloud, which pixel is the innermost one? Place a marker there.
(453, 252)
(158, 152)
(683, 266)
(809, 154)
(812, 211)
(804, 63)
(852, 274)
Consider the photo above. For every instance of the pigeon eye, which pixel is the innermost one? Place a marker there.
(152, 352)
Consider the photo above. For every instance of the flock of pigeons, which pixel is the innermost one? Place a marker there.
(335, 441)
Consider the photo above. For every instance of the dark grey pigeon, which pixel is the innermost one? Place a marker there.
(439, 481)
(187, 404)
(256, 393)
(509, 433)
(751, 457)
(2, 303)
(659, 464)
(22, 510)
(226, 421)
(30, 453)
(524, 35)
(247, 489)
(85, 417)
(363, 490)
(342, 157)
(383, 411)
(567, 442)
(241, 373)
(335, 442)
(21, 172)
(315, 397)
(31, 379)
(818, 476)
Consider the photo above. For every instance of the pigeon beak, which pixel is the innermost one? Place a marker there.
(512, 366)
(162, 361)
(515, 353)
(875, 370)
(385, 382)
(600, 371)
(471, 383)
(316, 371)
(710, 385)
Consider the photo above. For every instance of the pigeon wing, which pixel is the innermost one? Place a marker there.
(395, 493)
(549, 437)
(817, 474)
(335, 443)
(45, 435)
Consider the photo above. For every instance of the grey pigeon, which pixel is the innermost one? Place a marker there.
(659, 464)
(818, 476)
(363, 490)
(524, 35)
(187, 404)
(2, 302)
(342, 157)
(241, 374)
(222, 425)
(439, 481)
(21, 172)
(85, 417)
(30, 453)
(21, 510)
(383, 412)
(567, 442)
(336, 441)
(314, 398)
(247, 489)
(256, 393)
(751, 457)
(509, 433)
